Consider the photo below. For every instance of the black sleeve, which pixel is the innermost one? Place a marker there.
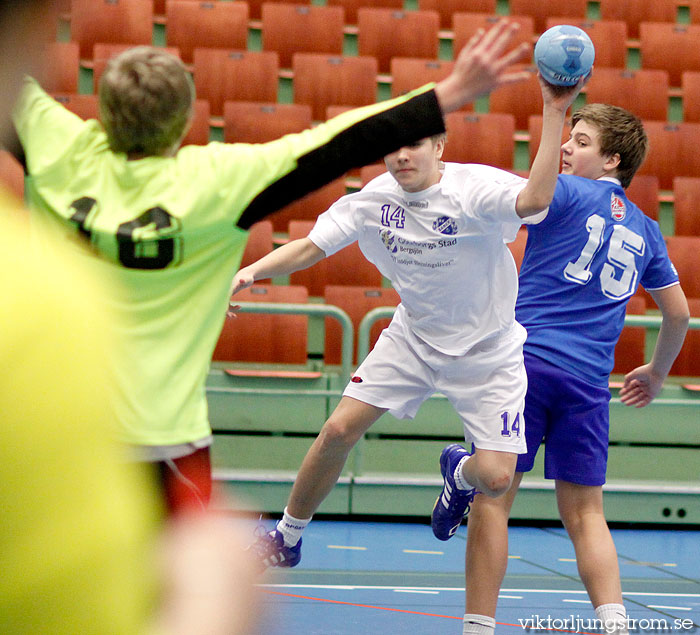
(364, 142)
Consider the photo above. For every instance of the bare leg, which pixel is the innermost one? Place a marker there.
(487, 549)
(491, 472)
(325, 459)
(581, 511)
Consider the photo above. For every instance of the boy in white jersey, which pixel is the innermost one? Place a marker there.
(438, 232)
(169, 225)
(582, 264)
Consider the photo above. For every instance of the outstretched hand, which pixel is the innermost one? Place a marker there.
(640, 387)
(482, 66)
(561, 97)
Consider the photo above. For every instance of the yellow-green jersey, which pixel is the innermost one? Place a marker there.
(170, 231)
(79, 523)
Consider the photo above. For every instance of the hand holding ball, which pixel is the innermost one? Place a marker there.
(564, 54)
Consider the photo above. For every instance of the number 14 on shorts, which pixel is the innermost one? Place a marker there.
(511, 424)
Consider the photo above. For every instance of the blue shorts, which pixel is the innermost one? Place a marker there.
(571, 416)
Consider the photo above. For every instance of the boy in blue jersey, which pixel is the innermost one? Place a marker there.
(581, 265)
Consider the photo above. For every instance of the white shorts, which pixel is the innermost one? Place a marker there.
(486, 386)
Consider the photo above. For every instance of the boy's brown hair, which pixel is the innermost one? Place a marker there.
(146, 99)
(620, 132)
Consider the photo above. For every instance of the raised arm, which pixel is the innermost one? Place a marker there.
(295, 255)
(644, 383)
(537, 194)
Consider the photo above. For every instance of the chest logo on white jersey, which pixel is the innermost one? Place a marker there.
(618, 209)
(445, 225)
(389, 240)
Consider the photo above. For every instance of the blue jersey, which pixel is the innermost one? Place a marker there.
(582, 263)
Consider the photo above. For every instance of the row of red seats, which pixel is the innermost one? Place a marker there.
(282, 339)
(631, 12)
(321, 80)
(288, 28)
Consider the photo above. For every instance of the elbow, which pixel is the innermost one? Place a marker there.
(530, 206)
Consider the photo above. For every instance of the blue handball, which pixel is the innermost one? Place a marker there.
(563, 54)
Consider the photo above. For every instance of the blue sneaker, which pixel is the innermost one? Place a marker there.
(270, 550)
(453, 504)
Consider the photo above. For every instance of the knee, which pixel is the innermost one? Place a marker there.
(496, 481)
(337, 433)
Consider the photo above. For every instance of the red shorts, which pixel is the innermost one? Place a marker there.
(186, 482)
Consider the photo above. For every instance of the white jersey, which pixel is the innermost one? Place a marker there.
(443, 249)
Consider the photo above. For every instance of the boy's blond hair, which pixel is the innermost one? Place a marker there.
(620, 132)
(146, 99)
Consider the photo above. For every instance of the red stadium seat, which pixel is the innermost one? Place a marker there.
(199, 131)
(670, 47)
(123, 22)
(62, 67)
(540, 10)
(634, 12)
(688, 361)
(644, 92)
(409, 73)
(328, 80)
(683, 252)
(630, 348)
(255, 122)
(465, 25)
(356, 302)
(447, 8)
(690, 93)
(310, 206)
(347, 267)
(521, 100)
(220, 25)
(259, 243)
(385, 33)
(480, 138)
(255, 6)
(351, 7)
(263, 337)
(222, 75)
(644, 193)
(686, 213)
(672, 151)
(289, 29)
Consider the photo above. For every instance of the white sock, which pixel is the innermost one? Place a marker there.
(460, 481)
(291, 528)
(613, 617)
(478, 624)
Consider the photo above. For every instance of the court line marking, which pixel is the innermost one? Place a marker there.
(416, 591)
(348, 547)
(388, 608)
(576, 601)
(672, 608)
(461, 589)
(510, 597)
(430, 553)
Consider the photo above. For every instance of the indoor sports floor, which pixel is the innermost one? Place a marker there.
(377, 577)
